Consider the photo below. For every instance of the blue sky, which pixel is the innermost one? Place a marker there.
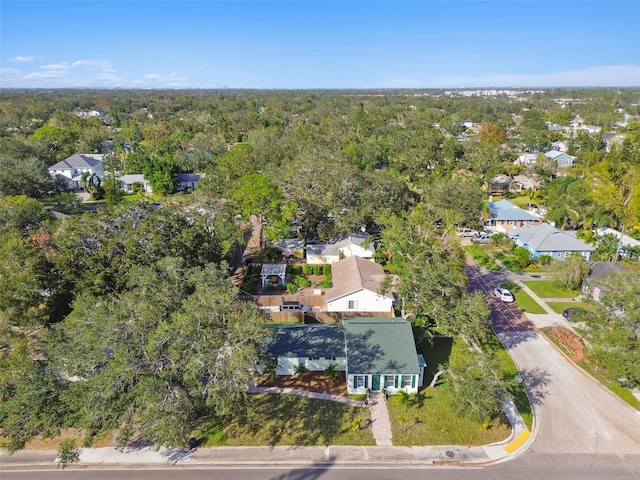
(318, 44)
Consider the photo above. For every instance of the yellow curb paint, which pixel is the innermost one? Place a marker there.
(517, 442)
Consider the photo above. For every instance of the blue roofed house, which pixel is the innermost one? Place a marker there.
(375, 353)
(545, 239)
(506, 216)
(560, 158)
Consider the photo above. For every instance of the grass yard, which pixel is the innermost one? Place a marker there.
(546, 289)
(481, 257)
(430, 419)
(289, 420)
(523, 299)
(435, 422)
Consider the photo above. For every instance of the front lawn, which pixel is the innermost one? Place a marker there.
(430, 419)
(546, 289)
(559, 307)
(274, 419)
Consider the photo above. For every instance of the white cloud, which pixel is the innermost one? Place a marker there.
(22, 59)
(56, 66)
(46, 74)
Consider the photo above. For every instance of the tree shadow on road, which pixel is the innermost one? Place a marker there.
(309, 472)
(535, 381)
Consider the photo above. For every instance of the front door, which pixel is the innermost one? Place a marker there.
(375, 383)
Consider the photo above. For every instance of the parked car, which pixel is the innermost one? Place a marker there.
(466, 232)
(484, 238)
(574, 312)
(503, 294)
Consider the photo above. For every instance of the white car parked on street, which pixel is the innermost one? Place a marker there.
(503, 294)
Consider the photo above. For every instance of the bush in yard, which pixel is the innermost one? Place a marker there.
(307, 269)
(326, 269)
(326, 282)
(317, 269)
(292, 287)
(522, 257)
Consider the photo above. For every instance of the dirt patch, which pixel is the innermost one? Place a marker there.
(313, 382)
(569, 340)
(53, 443)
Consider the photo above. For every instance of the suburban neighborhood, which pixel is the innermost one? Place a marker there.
(422, 312)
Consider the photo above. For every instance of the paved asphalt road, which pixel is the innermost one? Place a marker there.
(526, 467)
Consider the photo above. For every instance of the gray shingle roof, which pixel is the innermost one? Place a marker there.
(380, 346)
(308, 341)
(78, 160)
(545, 238)
(504, 210)
(335, 244)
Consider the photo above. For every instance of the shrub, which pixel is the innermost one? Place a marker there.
(326, 282)
(68, 452)
(317, 269)
(326, 269)
(292, 287)
(307, 269)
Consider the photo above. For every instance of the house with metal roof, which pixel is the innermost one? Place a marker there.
(506, 216)
(381, 354)
(356, 286)
(354, 244)
(545, 239)
(375, 353)
(71, 169)
(313, 346)
(560, 158)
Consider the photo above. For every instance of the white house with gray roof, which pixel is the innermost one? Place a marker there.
(545, 239)
(71, 169)
(355, 244)
(356, 287)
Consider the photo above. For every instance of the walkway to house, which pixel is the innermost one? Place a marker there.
(380, 424)
(307, 394)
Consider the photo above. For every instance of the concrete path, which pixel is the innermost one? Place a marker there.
(380, 424)
(307, 394)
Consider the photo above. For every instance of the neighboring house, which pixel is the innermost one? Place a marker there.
(560, 146)
(374, 353)
(127, 183)
(273, 274)
(506, 216)
(71, 169)
(560, 158)
(313, 346)
(187, 181)
(527, 183)
(356, 285)
(503, 184)
(597, 269)
(381, 354)
(625, 242)
(526, 159)
(355, 244)
(544, 239)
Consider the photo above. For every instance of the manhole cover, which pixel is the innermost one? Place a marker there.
(449, 454)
